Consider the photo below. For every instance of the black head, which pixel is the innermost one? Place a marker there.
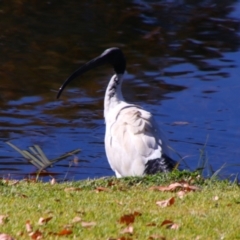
(113, 56)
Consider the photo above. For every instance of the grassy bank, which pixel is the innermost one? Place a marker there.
(133, 208)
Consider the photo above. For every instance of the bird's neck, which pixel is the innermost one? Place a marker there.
(113, 94)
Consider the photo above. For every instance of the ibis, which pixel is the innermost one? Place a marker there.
(134, 144)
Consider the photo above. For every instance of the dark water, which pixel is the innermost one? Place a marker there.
(183, 66)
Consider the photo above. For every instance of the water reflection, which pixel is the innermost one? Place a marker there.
(183, 66)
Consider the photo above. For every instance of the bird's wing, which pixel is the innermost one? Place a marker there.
(135, 138)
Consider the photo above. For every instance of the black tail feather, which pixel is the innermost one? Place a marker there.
(163, 164)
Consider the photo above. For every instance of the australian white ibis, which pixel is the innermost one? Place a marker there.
(134, 145)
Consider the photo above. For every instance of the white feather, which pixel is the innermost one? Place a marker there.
(132, 136)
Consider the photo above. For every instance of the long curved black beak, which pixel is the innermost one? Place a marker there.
(114, 56)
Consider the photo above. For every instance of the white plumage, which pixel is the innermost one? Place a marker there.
(134, 145)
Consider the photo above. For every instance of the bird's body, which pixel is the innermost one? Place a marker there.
(134, 145)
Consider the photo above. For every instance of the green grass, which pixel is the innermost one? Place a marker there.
(209, 213)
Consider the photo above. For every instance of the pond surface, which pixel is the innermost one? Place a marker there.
(183, 63)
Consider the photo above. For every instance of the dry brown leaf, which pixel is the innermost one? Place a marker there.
(128, 229)
(65, 232)
(42, 220)
(174, 186)
(88, 224)
(124, 238)
(22, 195)
(101, 189)
(4, 236)
(181, 194)
(111, 183)
(169, 188)
(36, 235)
(3, 219)
(72, 189)
(76, 219)
(151, 224)
(20, 234)
(129, 218)
(166, 222)
(188, 187)
(166, 203)
(170, 224)
(120, 238)
(155, 236)
(28, 226)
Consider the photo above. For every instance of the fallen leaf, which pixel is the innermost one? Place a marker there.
(20, 234)
(129, 218)
(188, 187)
(128, 229)
(35, 235)
(151, 224)
(22, 195)
(4, 236)
(28, 226)
(65, 232)
(3, 219)
(166, 203)
(174, 186)
(124, 238)
(101, 189)
(166, 222)
(181, 194)
(72, 189)
(170, 224)
(76, 219)
(42, 220)
(155, 236)
(169, 188)
(88, 224)
(135, 213)
(111, 183)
